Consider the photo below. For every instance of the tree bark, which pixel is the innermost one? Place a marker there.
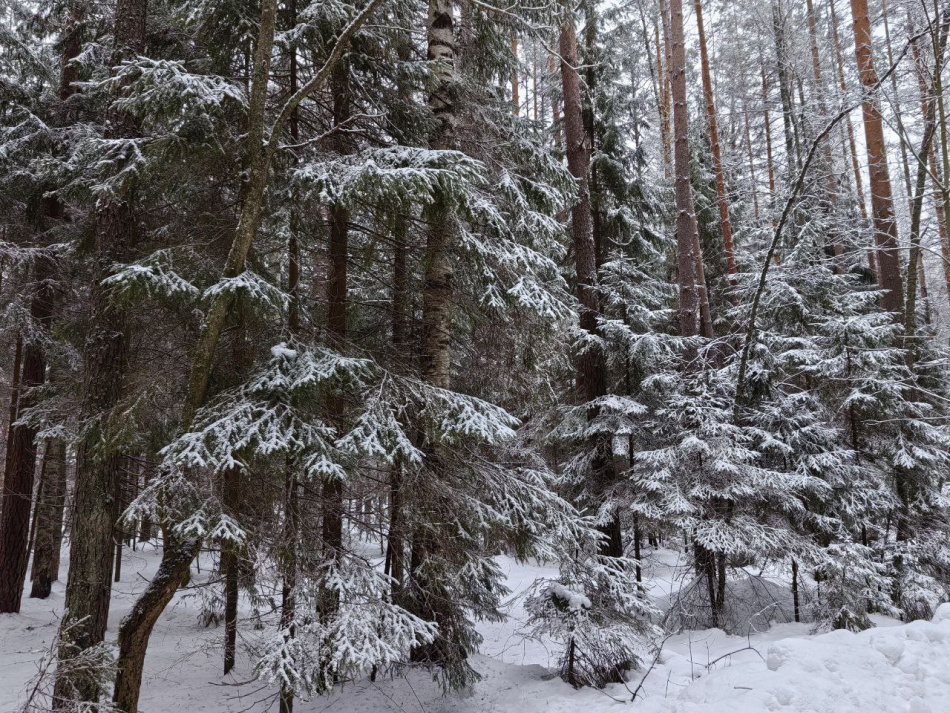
(712, 127)
(792, 147)
(49, 520)
(105, 356)
(17, 494)
(882, 203)
(686, 228)
(136, 630)
(589, 363)
(337, 281)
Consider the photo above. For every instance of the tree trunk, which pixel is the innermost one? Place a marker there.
(831, 185)
(686, 229)
(896, 100)
(713, 131)
(88, 588)
(49, 520)
(14, 402)
(231, 567)
(137, 625)
(666, 80)
(515, 95)
(882, 204)
(858, 181)
(17, 494)
(337, 279)
(590, 365)
(792, 149)
(748, 145)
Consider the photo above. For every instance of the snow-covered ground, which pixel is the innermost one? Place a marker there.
(890, 669)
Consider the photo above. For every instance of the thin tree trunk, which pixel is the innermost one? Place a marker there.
(231, 567)
(768, 149)
(748, 145)
(666, 81)
(831, 185)
(288, 561)
(515, 94)
(792, 149)
(937, 176)
(915, 255)
(795, 596)
(905, 164)
(882, 204)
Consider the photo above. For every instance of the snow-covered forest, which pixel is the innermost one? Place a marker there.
(474, 356)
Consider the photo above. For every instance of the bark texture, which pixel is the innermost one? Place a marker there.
(882, 203)
(105, 357)
(49, 520)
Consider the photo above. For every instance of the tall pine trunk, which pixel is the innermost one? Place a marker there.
(882, 203)
(686, 228)
(105, 356)
(712, 127)
(589, 363)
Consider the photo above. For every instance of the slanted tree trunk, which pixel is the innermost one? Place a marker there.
(177, 557)
(105, 355)
(49, 520)
(935, 172)
(882, 203)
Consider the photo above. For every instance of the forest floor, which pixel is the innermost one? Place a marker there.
(892, 668)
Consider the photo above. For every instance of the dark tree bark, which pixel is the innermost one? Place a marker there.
(17, 494)
(49, 520)
(176, 559)
(333, 491)
(105, 356)
(589, 363)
